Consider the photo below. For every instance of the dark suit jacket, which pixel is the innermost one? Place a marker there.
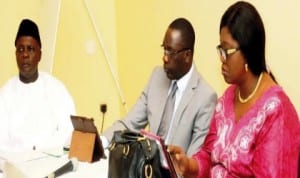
(191, 120)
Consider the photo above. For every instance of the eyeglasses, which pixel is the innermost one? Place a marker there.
(224, 53)
(170, 52)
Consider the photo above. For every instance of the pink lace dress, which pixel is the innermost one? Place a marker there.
(263, 143)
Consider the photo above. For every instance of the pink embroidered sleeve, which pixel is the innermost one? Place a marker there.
(277, 145)
(203, 156)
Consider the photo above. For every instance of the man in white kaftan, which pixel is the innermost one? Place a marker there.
(35, 115)
(35, 107)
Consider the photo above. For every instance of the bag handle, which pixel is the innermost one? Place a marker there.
(123, 123)
(126, 136)
(150, 148)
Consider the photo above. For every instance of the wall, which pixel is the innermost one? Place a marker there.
(132, 32)
(141, 26)
(80, 61)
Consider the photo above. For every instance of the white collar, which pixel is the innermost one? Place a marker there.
(183, 81)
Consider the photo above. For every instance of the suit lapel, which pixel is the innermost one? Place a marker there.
(186, 97)
(163, 93)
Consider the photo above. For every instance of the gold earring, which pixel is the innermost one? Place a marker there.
(246, 67)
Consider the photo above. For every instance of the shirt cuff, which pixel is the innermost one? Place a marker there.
(104, 141)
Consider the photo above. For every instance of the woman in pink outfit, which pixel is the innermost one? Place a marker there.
(255, 129)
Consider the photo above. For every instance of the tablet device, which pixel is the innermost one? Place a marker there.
(86, 125)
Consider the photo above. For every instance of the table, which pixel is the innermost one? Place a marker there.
(42, 165)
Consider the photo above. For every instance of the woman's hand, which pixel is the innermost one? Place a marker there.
(180, 160)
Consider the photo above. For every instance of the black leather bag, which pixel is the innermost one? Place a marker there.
(134, 156)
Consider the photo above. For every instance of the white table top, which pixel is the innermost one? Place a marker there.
(42, 165)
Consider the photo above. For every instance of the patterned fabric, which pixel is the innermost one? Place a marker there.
(265, 141)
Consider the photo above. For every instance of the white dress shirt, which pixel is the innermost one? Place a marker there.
(181, 84)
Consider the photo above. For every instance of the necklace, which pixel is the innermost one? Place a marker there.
(252, 93)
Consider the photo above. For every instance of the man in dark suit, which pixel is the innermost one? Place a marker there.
(195, 99)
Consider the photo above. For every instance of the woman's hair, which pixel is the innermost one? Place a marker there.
(187, 31)
(246, 27)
